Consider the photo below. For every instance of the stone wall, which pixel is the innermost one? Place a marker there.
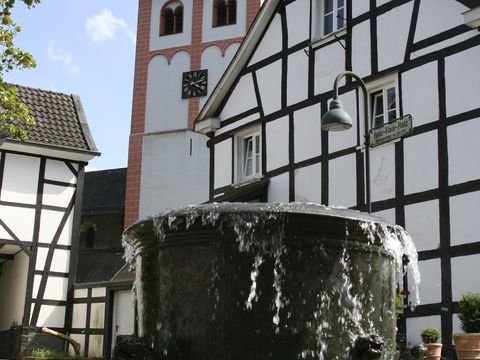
(8, 342)
(33, 338)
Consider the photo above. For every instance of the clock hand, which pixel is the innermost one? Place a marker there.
(196, 82)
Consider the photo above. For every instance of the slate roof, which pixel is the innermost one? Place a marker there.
(104, 191)
(98, 265)
(60, 120)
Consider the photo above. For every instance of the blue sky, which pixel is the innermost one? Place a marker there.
(85, 47)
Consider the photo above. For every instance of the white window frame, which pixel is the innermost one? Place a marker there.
(318, 32)
(240, 152)
(382, 85)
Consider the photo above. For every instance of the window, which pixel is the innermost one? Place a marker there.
(88, 232)
(384, 105)
(332, 16)
(171, 19)
(224, 12)
(249, 155)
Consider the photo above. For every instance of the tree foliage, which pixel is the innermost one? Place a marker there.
(14, 115)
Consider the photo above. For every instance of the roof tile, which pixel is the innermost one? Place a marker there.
(58, 120)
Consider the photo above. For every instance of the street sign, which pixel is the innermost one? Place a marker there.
(391, 131)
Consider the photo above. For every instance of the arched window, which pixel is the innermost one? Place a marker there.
(171, 19)
(88, 232)
(224, 12)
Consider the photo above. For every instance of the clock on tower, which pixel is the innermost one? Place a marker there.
(194, 83)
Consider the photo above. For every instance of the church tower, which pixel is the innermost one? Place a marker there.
(183, 47)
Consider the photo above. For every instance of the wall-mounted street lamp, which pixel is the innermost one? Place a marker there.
(338, 119)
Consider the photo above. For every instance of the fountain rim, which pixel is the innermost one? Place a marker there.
(291, 208)
(306, 208)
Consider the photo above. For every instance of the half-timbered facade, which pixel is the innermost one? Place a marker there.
(41, 183)
(417, 57)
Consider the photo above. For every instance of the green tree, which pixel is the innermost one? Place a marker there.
(14, 115)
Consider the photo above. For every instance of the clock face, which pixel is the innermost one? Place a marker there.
(194, 83)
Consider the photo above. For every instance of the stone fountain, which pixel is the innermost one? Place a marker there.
(265, 281)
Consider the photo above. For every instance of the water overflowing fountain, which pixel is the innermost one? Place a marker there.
(266, 281)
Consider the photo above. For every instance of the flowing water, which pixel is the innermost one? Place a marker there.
(323, 276)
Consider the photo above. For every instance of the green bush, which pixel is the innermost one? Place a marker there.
(51, 354)
(430, 335)
(469, 312)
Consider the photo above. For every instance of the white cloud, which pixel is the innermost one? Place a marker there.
(104, 26)
(58, 56)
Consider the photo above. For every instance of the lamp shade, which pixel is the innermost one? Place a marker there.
(336, 118)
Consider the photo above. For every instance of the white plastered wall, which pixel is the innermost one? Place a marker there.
(297, 77)
(19, 220)
(242, 98)
(59, 171)
(223, 164)
(361, 56)
(430, 288)
(382, 172)
(392, 33)
(49, 225)
(462, 69)
(171, 177)
(360, 7)
(13, 282)
(447, 15)
(216, 63)
(420, 154)
(307, 133)
(329, 61)
(269, 84)
(278, 188)
(308, 184)
(342, 181)
(464, 210)
(463, 147)
(277, 143)
(50, 316)
(271, 42)
(298, 20)
(422, 223)
(165, 108)
(20, 179)
(420, 93)
(465, 275)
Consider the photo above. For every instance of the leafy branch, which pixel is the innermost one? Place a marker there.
(14, 115)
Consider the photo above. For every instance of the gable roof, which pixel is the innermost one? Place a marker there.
(99, 265)
(60, 121)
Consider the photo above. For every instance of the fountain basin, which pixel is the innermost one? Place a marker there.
(259, 281)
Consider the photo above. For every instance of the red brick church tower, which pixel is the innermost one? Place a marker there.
(183, 47)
